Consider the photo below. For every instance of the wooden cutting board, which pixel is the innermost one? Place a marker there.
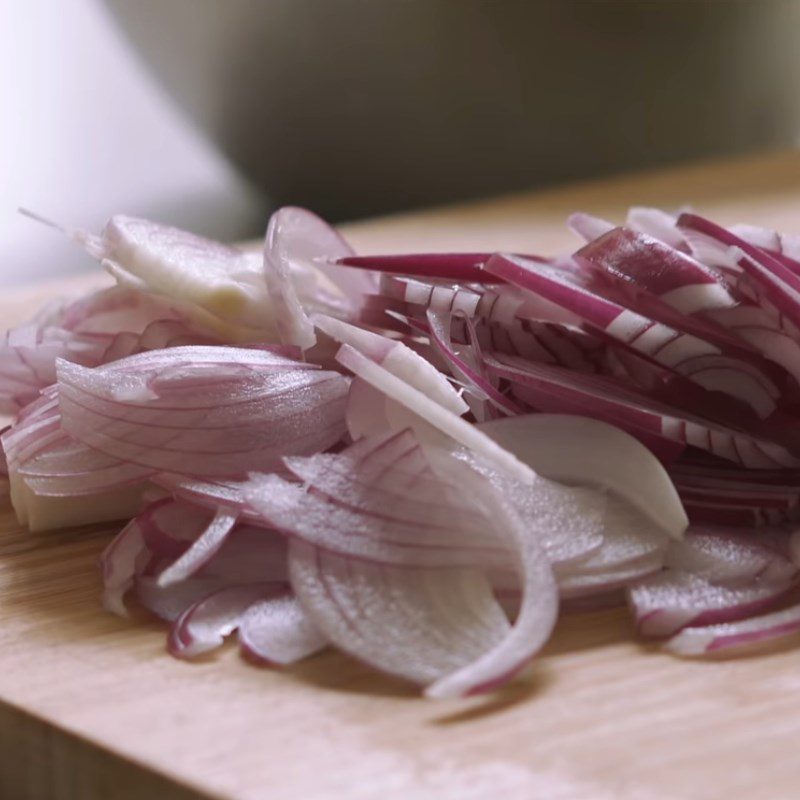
(91, 708)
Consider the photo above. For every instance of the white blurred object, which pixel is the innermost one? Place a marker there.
(85, 132)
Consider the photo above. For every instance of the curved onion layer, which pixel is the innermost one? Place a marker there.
(276, 631)
(685, 353)
(205, 624)
(727, 637)
(241, 585)
(666, 603)
(413, 407)
(412, 527)
(714, 575)
(553, 389)
(299, 242)
(227, 410)
(583, 451)
(102, 327)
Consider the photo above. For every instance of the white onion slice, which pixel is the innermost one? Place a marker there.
(276, 631)
(586, 452)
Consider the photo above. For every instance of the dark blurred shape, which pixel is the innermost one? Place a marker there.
(357, 107)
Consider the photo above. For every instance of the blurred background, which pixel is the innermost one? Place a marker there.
(207, 113)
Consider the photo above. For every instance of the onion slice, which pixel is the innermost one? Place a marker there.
(346, 523)
(729, 637)
(204, 625)
(276, 631)
(586, 452)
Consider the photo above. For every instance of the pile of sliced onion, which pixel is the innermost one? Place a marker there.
(418, 458)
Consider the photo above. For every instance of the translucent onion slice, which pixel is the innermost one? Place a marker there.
(397, 359)
(587, 226)
(419, 624)
(733, 556)
(222, 415)
(665, 603)
(276, 631)
(730, 637)
(570, 523)
(360, 514)
(203, 626)
(426, 413)
(578, 451)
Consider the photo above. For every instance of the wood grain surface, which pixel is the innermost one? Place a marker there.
(91, 707)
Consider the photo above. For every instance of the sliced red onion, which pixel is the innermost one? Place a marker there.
(204, 626)
(666, 603)
(368, 531)
(456, 267)
(417, 521)
(47, 512)
(209, 494)
(549, 342)
(168, 531)
(201, 551)
(783, 246)
(419, 624)
(118, 565)
(722, 555)
(635, 259)
(631, 544)
(499, 304)
(292, 322)
(230, 413)
(210, 280)
(424, 412)
(276, 631)
(101, 327)
(460, 364)
(567, 522)
(397, 359)
(366, 410)
(575, 451)
(308, 245)
(733, 636)
(696, 358)
(587, 226)
(403, 541)
(779, 284)
(552, 389)
(659, 224)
